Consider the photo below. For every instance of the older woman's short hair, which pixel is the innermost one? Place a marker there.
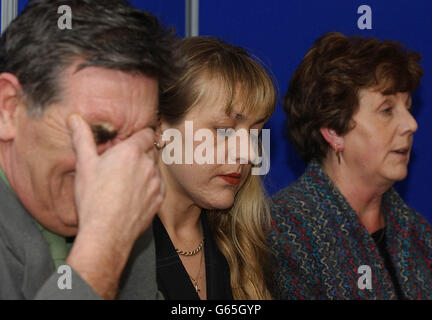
(323, 91)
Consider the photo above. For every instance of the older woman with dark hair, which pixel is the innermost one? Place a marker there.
(341, 231)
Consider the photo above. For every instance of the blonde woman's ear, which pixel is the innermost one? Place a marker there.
(160, 131)
(159, 143)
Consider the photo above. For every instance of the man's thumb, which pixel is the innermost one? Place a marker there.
(82, 137)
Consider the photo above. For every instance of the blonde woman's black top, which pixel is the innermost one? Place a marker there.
(173, 280)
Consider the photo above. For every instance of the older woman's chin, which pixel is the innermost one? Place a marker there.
(397, 174)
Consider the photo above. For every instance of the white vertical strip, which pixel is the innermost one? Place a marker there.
(9, 10)
(192, 18)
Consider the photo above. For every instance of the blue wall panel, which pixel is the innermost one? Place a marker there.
(281, 31)
(170, 12)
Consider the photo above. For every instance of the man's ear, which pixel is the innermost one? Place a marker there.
(10, 98)
(335, 141)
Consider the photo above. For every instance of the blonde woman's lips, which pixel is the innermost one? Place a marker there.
(232, 178)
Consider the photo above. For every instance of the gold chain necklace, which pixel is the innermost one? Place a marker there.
(193, 252)
(195, 281)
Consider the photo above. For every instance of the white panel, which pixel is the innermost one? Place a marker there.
(192, 18)
(9, 10)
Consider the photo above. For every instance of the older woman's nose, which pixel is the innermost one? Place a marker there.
(408, 123)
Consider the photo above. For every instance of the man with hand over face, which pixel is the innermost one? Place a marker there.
(79, 185)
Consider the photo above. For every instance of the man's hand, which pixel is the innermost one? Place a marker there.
(117, 195)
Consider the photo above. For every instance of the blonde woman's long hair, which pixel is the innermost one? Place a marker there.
(240, 232)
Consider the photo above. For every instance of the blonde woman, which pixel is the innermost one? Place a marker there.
(210, 230)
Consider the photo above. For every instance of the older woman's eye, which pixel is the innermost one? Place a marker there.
(388, 110)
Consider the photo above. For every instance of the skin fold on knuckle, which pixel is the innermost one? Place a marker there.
(157, 186)
(127, 154)
(148, 169)
(144, 140)
(148, 137)
(151, 190)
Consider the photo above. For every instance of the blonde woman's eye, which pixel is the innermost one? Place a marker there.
(224, 131)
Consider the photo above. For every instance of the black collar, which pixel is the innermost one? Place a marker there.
(172, 278)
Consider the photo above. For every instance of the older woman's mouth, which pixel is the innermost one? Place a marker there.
(403, 152)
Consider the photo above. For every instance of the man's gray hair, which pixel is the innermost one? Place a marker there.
(105, 33)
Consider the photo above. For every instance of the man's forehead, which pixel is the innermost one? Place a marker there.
(110, 96)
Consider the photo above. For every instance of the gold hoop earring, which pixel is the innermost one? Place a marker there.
(157, 145)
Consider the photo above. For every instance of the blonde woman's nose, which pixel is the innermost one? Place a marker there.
(239, 148)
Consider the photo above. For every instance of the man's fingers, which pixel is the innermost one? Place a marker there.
(144, 139)
(82, 138)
